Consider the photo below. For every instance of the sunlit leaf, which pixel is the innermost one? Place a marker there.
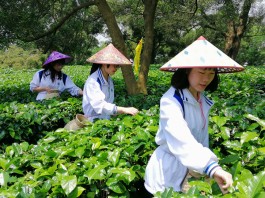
(248, 136)
(69, 183)
(96, 173)
(220, 121)
(128, 122)
(80, 151)
(201, 186)
(4, 176)
(114, 156)
(80, 190)
(3, 163)
(96, 142)
(49, 139)
(24, 146)
(235, 145)
(124, 174)
(252, 186)
(262, 150)
(225, 133)
(260, 121)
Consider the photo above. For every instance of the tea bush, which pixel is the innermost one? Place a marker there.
(108, 157)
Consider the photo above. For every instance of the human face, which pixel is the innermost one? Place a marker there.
(199, 79)
(58, 66)
(110, 70)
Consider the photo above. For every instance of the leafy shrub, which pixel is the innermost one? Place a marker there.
(108, 158)
(18, 58)
(30, 122)
(104, 159)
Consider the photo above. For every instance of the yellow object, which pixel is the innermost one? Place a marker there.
(137, 56)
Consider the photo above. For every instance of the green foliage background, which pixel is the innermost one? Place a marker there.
(39, 158)
(19, 58)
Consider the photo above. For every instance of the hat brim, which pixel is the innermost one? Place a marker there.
(109, 55)
(227, 69)
(55, 56)
(202, 54)
(66, 60)
(109, 62)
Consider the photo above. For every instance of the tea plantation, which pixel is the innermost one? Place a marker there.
(38, 158)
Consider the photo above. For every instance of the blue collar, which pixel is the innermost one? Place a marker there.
(101, 77)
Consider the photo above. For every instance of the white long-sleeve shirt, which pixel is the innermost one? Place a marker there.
(58, 84)
(182, 142)
(98, 97)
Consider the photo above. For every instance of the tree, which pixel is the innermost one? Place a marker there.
(52, 25)
(230, 21)
(166, 26)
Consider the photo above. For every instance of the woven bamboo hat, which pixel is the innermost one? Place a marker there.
(54, 56)
(109, 55)
(202, 54)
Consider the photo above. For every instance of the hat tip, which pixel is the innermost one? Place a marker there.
(201, 38)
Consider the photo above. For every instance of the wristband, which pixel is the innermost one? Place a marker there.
(211, 168)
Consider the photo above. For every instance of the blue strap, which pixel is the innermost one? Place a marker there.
(99, 82)
(64, 76)
(40, 74)
(178, 97)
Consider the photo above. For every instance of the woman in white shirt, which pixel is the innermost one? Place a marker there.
(51, 81)
(182, 137)
(98, 94)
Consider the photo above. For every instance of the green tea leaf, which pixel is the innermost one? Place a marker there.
(80, 190)
(114, 156)
(252, 186)
(97, 173)
(49, 139)
(124, 174)
(3, 163)
(69, 183)
(4, 176)
(220, 121)
(262, 150)
(260, 121)
(230, 159)
(80, 151)
(248, 136)
(201, 186)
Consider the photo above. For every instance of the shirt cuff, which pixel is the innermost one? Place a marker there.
(211, 168)
(115, 110)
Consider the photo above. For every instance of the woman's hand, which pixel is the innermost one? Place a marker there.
(80, 92)
(127, 110)
(223, 179)
(41, 89)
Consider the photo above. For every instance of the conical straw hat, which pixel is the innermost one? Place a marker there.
(54, 56)
(201, 53)
(109, 55)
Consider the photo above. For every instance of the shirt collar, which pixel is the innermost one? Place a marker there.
(187, 96)
(101, 77)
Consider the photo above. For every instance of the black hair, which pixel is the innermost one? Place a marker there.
(53, 71)
(180, 80)
(95, 67)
